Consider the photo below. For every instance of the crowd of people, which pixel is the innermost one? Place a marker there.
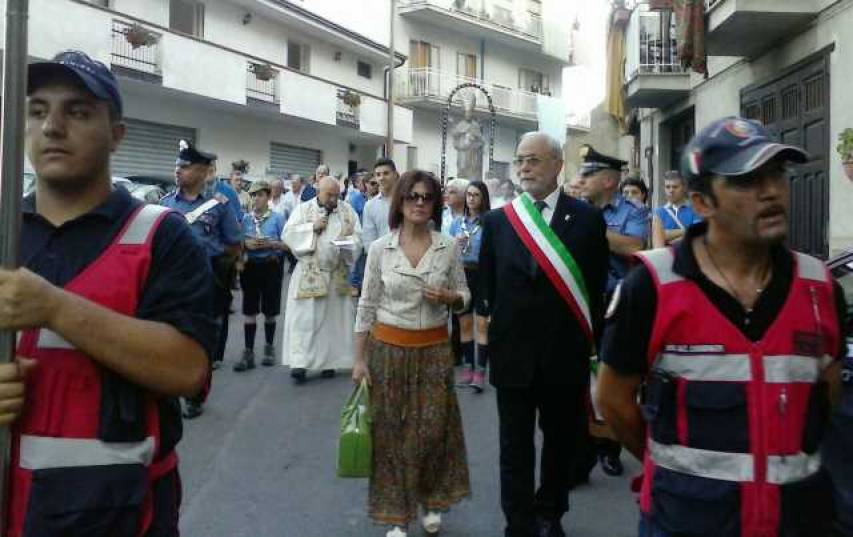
(717, 359)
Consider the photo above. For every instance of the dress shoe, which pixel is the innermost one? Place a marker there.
(549, 528)
(611, 464)
(328, 373)
(269, 356)
(298, 375)
(247, 362)
(431, 523)
(478, 381)
(192, 410)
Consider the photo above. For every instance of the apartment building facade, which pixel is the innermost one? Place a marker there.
(285, 85)
(515, 49)
(783, 62)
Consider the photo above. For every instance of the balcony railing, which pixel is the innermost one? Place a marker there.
(426, 83)
(650, 44)
(711, 3)
(135, 47)
(488, 12)
(261, 83)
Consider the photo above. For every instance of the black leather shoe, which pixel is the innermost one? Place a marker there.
(611, 465)
(192, 410)
(328, 373)
(549, 528)
(247, 362)
(298, 375)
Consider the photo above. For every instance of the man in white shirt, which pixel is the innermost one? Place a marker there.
(455, 207)
(291, 197)
(375, 215)
(277, 198)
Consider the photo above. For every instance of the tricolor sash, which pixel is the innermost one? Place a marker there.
(552, 256)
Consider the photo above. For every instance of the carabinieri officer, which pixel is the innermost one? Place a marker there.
(217, 231)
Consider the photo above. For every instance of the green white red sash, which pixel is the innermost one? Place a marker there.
(552, 256)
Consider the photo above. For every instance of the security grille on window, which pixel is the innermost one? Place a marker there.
(364, 69)
(298, 55)
(187, 16)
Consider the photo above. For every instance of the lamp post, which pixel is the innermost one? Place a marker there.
(11, 173)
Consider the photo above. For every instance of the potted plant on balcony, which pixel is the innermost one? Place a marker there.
(845, 149)
(263, 71)
(351, 98)
(140, 36)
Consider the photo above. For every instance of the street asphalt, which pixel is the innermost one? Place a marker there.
(260, 462)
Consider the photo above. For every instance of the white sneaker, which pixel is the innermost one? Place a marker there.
(396, 531)
(432, 522)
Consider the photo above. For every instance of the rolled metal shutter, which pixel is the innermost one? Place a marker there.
(288, 159)
(149, 148)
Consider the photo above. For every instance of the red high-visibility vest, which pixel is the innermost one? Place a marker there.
(734, 425)
(68, 473)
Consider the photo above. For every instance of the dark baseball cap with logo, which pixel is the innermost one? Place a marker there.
(94, 75)
(733, 146)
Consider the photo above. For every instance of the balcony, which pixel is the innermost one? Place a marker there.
(136, 51)
(749, 27)
(430, 88)
(486, 18)
(262, 85)
(653, 72)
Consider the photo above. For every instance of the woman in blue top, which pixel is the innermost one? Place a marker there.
(262, 274)
(468, 233)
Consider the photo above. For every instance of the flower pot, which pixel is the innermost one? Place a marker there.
(848, 169)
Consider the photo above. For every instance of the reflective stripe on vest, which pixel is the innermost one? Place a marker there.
(782, 369)
(41, 452)
(737, 467)
(48, 339)
(143, 222)
(661, 259)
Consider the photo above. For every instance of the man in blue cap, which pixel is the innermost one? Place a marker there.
(737, 342)
(627, 231)
(213, 225)
(112, 305)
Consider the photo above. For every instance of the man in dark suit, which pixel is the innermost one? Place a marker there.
(540, 342)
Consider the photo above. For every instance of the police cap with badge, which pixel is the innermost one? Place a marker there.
(594, 162)
(732, 147)
(189, 155)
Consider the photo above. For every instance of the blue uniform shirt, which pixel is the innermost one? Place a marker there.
(625, 218)
(270, 226)
(458, 228)
(215, 229)
(233, 199)
(684, 214)
(357, 200)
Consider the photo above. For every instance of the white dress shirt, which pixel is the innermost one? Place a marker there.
(550, 205)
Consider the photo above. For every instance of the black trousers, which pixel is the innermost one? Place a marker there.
(561, 414)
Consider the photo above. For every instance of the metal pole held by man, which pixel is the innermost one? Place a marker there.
(12, 154)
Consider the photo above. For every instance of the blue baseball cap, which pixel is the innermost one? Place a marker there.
(733, 146)
(94, 75)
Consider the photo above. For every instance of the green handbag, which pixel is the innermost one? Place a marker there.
(355, 447)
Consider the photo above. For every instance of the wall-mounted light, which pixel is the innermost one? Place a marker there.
(338, 55)
(247, 18)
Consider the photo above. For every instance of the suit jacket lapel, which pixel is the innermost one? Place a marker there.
(562, 216)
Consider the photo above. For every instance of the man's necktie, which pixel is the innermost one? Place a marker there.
(534, 266)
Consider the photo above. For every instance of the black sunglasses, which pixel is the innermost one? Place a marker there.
(429, 197)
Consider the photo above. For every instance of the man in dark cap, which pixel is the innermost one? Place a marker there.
(627, 231)
(738, 343)
(112, 306)
(213, 225)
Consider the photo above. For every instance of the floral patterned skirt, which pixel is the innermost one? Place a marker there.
(418, 446)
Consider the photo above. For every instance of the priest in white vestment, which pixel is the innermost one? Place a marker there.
(324, 234)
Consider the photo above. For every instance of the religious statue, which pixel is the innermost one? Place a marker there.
(468, 141)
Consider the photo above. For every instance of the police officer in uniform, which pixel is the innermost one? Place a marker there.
(627, 231)
(737, 342)
(213, 225)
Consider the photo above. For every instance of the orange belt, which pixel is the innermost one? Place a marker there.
(409, 338)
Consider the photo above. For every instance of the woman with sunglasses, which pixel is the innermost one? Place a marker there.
(402, 349)
(468, 232)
